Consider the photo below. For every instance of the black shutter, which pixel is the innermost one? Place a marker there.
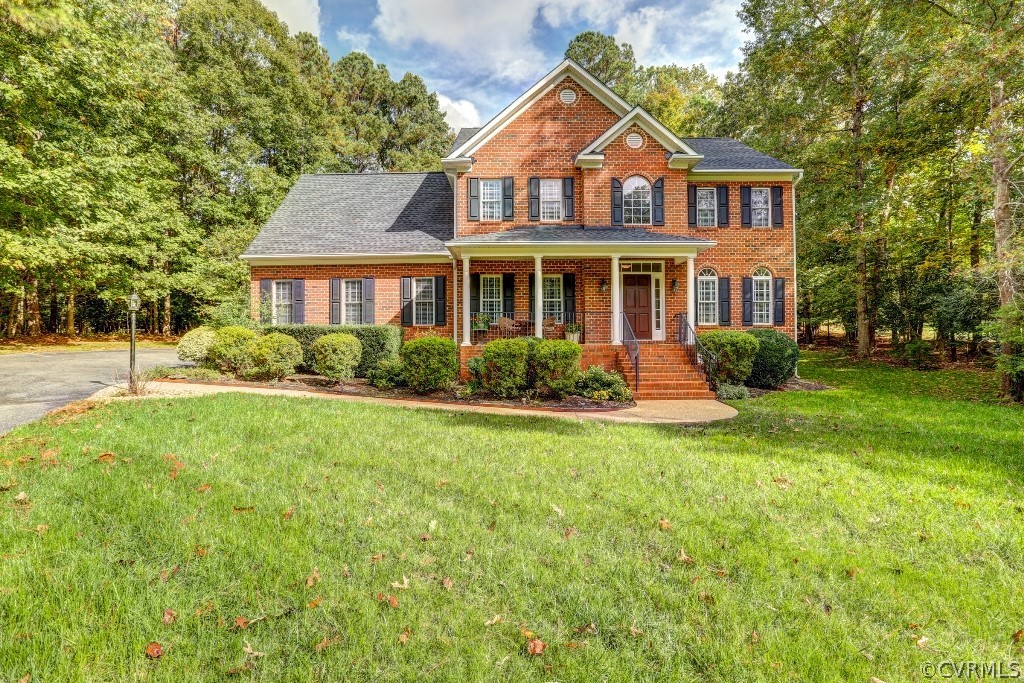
(508, 293)
(616, 201)
(533, 302)
(266, 301)
(568, 198)
(474, 200)
(779, 301)
(745, 206)
(723, 206)
(474, 293)
(658, 202)
(724, 294)
(406, 301)
(534, 191)
(748, 301)
(335, 301)
(298, 301)
(440, 300)
(777, 206)
(507, 198)
(691, 205)
(368, 299)
(569, 297)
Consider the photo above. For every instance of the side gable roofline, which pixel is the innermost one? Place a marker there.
(568, 67)
(682, 155)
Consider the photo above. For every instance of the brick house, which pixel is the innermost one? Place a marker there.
(570, 210)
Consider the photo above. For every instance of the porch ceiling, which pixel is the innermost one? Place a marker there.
(552, 240)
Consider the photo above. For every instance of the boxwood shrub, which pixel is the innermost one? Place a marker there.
(775, 360)
(556, 364)
(735, 352)
(388, 375)
(336, 355)
(430, 363)
(505, 369)
(195, 345)
(601, 385)
(230, 349)
(378, 342)
(272, 356)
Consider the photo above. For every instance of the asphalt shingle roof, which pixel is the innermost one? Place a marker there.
(573, 233)
(461, 137)
(361, 213)
(726, 153)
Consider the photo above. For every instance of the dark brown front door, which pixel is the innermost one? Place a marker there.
(636, 304)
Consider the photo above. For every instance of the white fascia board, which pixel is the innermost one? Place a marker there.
(639, 116)
(568, 67)
(580, 249)
(457, 164)
(750, 174)
(338, 259)
(589, 160)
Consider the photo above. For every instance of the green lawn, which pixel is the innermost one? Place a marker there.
(825, 536)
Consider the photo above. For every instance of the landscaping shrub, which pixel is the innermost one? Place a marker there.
(506, 367)
(230, 349)
(475, 365)
(430, 363)
(775, 360)
(194, 346)
(556, 365)
(387, 375)
(918, 354)
(272, 356)
(336, 356)
(378, 342)
(732, 392)
(600, 385)
(735, 352)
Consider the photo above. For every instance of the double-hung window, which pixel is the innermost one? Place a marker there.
(352, 302)
(490, 200)
(760, 207)
(283, 302)
(636, 201)
(552, 294)
(551, 200)
(707, 207)
(762, 296)
(707, 297)
(423, 301)
(490, 296)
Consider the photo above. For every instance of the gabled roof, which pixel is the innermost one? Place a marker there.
(681, 153)
(461, 136)
(375, 214)
(726, 154)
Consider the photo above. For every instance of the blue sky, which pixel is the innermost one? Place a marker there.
(479, 55)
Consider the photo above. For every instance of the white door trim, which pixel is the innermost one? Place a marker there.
(657, 289)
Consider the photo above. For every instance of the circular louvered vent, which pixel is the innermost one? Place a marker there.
(635, 140)
(568, 96)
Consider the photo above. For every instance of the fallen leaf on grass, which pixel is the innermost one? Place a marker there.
(288, 514)
(922, 642)
(782, 482)
(21, 499)
(200, 551)
(313, 579)
(573, 645)
(169, 573)
(404, 585)
(634, 631)
(684, 558)
(404, 636)
(425, 537)
(27, 678)
(236, 509)
(241, 622)
(664, 524)
(203, 488)
(447, 583)
(570, 531)
(42, 528)
(390, 599)
(374, 559)
(1018, 636)
(106, 457)
(325, 643)
(493, 621)
(558, 510)
(154, 650)
(536, 647)
(313, 603)
(170, 616)
(589, 629)
(11, 483)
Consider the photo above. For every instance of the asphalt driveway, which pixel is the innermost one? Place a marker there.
(32, 384)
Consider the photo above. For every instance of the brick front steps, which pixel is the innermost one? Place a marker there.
(665, 373)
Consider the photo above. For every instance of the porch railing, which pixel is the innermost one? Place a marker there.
(594, 328)
(700, 357)
(632, 346)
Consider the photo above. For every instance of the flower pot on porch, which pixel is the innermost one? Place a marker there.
(573, 337)
(481, 327)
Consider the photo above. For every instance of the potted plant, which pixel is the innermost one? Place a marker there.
(481, 321)
(572, 331)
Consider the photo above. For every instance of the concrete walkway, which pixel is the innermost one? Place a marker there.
(645, 412)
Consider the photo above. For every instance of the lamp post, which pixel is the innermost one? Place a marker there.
(134, 303)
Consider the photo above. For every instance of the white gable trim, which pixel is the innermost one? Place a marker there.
(682, 155)
(602, 92)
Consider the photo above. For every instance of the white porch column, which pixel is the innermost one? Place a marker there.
(538, 297)
(691, 294)
(465, 302)
(616, 303)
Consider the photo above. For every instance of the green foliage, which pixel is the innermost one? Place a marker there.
(732, 392)
(556, 365)
(388, 374)
(272, 356)
(775, 360)
(475, 365)
(194, 346)
(1008, 330)
(734, 351)
(230, 349)
(430, 363)
(379, 342)
(918, 353)
(601, 385)
(506, 367)
(336, 356)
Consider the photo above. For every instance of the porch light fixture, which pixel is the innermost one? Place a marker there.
(604, 284)
(134, 302)
(675, 286)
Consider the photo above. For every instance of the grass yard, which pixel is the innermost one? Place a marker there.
(820, 536)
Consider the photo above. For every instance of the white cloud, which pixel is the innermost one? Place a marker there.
(300, 15)
(459, 113)
(356, 41)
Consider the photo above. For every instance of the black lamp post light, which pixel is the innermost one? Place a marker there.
(134, 304)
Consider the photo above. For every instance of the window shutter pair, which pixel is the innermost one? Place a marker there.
(298, 301)
(368, 299)
(724, 295)
(778, 301)
(777, 208)
(440, 300)
(507, 198)
(568, 198)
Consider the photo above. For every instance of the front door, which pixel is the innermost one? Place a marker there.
(636, 304)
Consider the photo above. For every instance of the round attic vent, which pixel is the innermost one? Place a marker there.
(568, 96)
(635, 140)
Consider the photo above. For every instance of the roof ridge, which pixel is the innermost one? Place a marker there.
(372, 174)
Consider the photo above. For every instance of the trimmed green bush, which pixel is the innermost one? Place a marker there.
(272, 356)
(775, 360)
(918, 354)
(600, 385)
(732, 392)
(387, 375)
(336, 356)
(735, 352)
(556, 364)
(430, 363)
(378, 342)
(194, 346)
(506, 367)
(230, 349)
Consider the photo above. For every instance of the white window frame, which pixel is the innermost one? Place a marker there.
(556, 312)
(768, 209)
(416, 301)
(549, 202)
(714, 207)
(759, 316)
(705, 276)
(633, 209)
(490, 209)
(345, 318)
(499, 311)
(278, 304)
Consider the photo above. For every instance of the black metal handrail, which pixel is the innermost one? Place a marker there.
(632, 350)
(700, 357)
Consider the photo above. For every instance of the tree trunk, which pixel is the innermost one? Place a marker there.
(15, 317)
(976, 235)
(859, 227)
(166, 329)
(33, 314)
(71, 311)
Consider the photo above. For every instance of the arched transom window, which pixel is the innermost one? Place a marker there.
(707, 297)
(636, 201)
(762, 298)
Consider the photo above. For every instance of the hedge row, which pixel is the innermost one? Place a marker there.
(379, 342)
